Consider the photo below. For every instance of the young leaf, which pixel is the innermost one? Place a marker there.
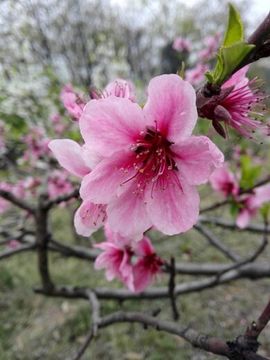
(234, 31)
(233, 50)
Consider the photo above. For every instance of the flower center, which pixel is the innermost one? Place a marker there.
(153, 154)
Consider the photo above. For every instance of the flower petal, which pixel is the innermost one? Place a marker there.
(171, 105)
(127, 214)
(196, 158)
(102, 183)
(243, 218)
(69, 155)
(89, 217)
(111, 124)
(173, 208)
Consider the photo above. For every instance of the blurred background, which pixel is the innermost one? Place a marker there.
(45, 44)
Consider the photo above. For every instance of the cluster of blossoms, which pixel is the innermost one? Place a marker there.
(227, 184)
(139, 166)
(37, 144)
(135, 263)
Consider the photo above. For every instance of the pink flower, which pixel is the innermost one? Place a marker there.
(134, 263)
(72, 101)
(147, 266)
(181, 44)
(119, 88)
(211, 45)
(149, 163)
(237, 106)
(224, 181)
(76, 159)
(251, 204)
(196, 75)
(13, 244)
(58, 125)
(116, 259)
(37, 144)
(58, 184)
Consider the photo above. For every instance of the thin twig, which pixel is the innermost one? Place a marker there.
(22, 204)
(213, 240)
(257, 229)
(171, 287)
(62, 198)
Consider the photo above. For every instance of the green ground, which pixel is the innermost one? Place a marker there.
(34, 327)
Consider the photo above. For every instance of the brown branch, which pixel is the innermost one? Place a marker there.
(94, 326)
(204, 342)
(22, 204)
(257, 229)
(10, 252)
(42, 239)
(171, 287)
(228, 201)
(151, 293)
(62, 198)
(214, 241)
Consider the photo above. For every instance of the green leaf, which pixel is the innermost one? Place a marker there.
(233, 50)
(235, 30)
(265, 211)
(234, 209)
(228, 59)
(249, 172)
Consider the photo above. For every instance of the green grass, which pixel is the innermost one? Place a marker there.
(35, 327)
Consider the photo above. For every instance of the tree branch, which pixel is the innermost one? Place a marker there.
(16, 201)
(213, 240)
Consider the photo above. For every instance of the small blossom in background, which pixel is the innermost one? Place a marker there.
(239, 105)
(134, 263)
(119, 88)
(195, 76)
(211, 46)
(58, 125)
(224, 181)
(182, 45)
(58, 184)
(72, 101)
(37, 145)
(251, 203)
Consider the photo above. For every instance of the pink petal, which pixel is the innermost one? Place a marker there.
(120, 88)
(89, 217)
(127, 214)
(69, 155)
(110, 125)
(144, 247)
(173, 207)
(243, 218)
(102, 183)
(238, 79)
(262, 196)
(142, 277)
(196, 158)
(172, 105)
